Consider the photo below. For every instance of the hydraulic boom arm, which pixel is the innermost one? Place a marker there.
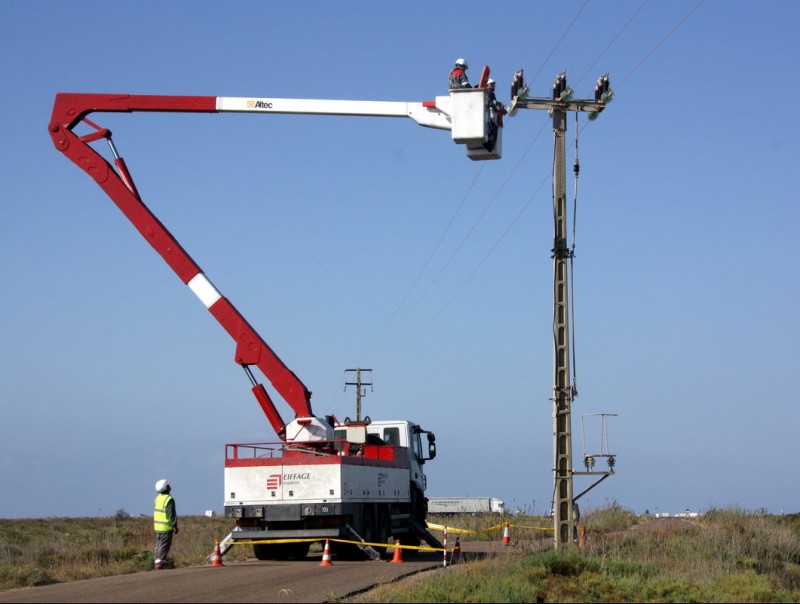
(71, 109)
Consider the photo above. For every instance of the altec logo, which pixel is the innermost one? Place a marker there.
(252, 104)
(274, 482)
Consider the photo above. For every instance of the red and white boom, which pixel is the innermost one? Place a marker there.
(72, 109)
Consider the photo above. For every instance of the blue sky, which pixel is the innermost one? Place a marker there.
(362, 242)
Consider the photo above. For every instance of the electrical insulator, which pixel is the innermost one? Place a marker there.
(560, 85)
(601, 88)
(517, 83)
(612, 461)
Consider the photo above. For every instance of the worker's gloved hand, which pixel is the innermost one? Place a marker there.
(175, 530)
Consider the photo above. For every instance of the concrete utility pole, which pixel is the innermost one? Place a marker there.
(359, 391)
(563, 390)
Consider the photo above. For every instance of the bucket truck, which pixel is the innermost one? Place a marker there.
(361, 481)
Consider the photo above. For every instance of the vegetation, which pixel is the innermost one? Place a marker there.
(727, 555)
(54, 550)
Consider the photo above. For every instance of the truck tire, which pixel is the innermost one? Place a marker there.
(384, 528)
(419, 511)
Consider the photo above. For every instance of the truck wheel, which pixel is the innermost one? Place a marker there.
(414, 540)
(297, 551)
(371, 529)
(384, 529)
(263, 551)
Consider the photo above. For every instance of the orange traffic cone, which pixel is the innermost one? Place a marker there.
(216, 557)
(398, 553)
(326, 554)
(506, 535)
(456, 551)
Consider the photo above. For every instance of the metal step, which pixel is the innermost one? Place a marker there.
(423, 532)
(224, 545)
(367, 549)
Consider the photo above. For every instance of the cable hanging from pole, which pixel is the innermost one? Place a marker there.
(576, 170)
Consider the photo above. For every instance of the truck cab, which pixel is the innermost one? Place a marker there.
(394, 433)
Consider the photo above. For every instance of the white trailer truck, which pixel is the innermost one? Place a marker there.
(448, 506)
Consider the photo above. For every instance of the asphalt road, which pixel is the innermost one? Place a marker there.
(248, 581)
(273, 581)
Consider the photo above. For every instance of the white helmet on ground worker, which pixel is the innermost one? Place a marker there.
(162, 485)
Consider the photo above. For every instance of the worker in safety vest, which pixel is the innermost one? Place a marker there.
(165, 522)
(458, 75)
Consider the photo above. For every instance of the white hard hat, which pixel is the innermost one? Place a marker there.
(462, 63)
(490, 82)
(162, 485)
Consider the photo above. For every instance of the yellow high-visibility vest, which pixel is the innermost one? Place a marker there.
(161, 521)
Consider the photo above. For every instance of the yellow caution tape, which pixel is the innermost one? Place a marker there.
(440, 527)
(272, 541)
(451, 529)
(533, 528)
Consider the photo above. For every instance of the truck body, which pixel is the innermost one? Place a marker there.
(366, 484)
(323, 478)
(450, 506)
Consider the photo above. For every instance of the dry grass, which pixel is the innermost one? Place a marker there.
(54, 550)
(725, 556)
(723, 542)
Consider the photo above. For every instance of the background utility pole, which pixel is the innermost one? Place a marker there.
(564, 531)
(359, 387)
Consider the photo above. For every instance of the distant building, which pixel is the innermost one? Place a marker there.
(210, 513)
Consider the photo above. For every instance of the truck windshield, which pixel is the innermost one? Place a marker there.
(416, 446)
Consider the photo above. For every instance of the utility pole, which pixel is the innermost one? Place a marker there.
(359, 390)
(563, 389)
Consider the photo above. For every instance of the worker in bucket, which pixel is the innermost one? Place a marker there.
(458, 75)
(165, 522)
(494, 111)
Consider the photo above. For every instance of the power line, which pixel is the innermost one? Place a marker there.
(430, 257)
(502, 186)
(613, 40)
(377, 338)
(468, 234)
(487, 255)
(561, 39)
(516, 218)
(664, 39)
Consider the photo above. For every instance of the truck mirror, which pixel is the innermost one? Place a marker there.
(431, 449)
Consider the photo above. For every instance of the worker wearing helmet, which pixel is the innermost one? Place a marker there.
(165, 522)
(494, 114)
(458, 75)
